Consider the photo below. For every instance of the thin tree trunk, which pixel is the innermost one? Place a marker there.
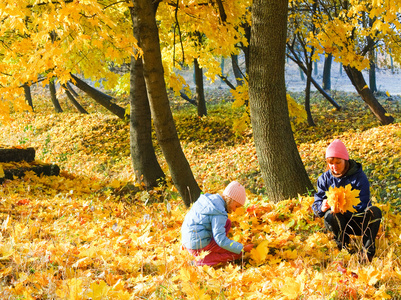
(367, 96)
(327, 72)
(317, 86)
(53, 97)
(236, 70)
(74, 101)
(226, 81)
(301, 74)
(372, 71)
(159, 103)
(222, 68)
(99, 97)
(185, 97)
(146, 167)
(200, 94)
(281, 165)
(28, 95)
(72, 91)
(315, 69)
(372, 61)
(307, 96)
(245, 49)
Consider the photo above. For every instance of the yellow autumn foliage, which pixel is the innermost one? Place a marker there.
(343, 199)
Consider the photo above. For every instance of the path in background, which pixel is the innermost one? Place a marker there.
(385, 79)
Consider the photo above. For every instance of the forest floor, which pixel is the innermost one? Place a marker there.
(91, 234)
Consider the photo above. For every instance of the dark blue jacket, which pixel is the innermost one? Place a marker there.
(354, 176)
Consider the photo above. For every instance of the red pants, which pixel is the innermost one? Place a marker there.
(216, 253)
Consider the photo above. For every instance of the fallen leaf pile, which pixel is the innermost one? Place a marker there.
(91, 234)
(343, 198)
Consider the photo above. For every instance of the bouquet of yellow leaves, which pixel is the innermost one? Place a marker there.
(342, 199)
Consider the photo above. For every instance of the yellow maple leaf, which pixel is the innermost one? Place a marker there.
(259, 253)
(292, 288)
(99, 290)
(115, 184)
(343, 199)
(2, 172)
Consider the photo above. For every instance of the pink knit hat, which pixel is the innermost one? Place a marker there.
(236, 192)
(337, 149)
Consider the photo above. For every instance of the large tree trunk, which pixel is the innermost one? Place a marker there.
(200, 93)
(366, 94)
(159, 104)
(144, 160)
(99, 97)
(281, 165)
(53, 97)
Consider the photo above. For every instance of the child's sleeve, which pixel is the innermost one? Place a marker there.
(320, 195)
(219, 235)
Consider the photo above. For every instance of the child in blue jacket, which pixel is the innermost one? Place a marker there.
(366, 220)
(206, 225)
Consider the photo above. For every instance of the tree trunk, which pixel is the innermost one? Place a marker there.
(367, 96)
(159, 103)
(372, 71)
(315, 69)
(298, 61)
(327, 72)
(245, 49)
(53, 97)
(28, 95)
(307, 96)
(146, 167)
(236, 70)
(281, 165)
(372, 61)
(99, 97)
(74, 101)
(200, 94)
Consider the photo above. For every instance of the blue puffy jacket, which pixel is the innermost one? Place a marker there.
(206, 220)
(354, 176)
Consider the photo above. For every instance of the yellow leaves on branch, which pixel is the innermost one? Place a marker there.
(343, 199)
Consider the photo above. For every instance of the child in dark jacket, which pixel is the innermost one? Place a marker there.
(206, 225)
(366, 220)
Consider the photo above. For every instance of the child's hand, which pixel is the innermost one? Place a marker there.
(325, 206)
(249, 247)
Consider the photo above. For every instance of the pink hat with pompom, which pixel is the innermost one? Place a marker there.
(337, 149)
(236, 192)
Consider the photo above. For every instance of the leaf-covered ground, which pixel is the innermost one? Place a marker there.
(89, 234)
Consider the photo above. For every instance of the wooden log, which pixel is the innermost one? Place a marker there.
(39, 169)
(16, 154)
